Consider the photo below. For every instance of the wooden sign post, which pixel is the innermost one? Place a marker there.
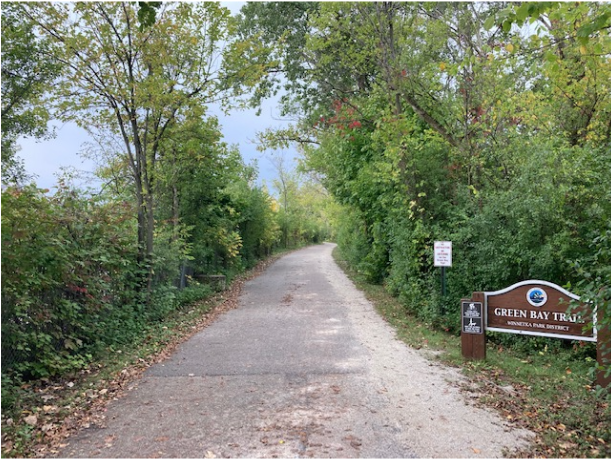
(473, 326)
(533, 307)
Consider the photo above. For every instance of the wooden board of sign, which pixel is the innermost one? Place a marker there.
(536, 308)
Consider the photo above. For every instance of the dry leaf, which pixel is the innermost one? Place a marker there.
(31, 420)
(209, 454)
(476, 451)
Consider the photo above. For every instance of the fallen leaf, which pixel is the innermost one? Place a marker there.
(31, 420)
(476, 451)
(209, 454)
(567, 445)
(103, 391)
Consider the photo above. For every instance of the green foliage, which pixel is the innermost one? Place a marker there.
(282, 28)
(480, 123)
(67, 265)
(85, 274)
(594, 285)
(300, 209)
(147, 13)
(27, 72)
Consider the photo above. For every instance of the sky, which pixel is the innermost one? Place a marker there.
(46, 159)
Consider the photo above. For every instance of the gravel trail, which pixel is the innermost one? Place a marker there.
(304, 367)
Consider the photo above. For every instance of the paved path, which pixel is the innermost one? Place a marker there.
(302, 368)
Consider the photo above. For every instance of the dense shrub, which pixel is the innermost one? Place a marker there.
(69, 276)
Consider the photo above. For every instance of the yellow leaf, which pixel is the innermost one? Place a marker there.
(510, 47)
(442, 66)
(583, 49)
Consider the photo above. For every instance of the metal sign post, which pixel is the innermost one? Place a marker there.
(442, 258)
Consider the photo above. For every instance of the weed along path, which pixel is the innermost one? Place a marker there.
(304, 367)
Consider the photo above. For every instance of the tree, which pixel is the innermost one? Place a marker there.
(139, 81)
(442, 120)
(27, 72)
(283, 28)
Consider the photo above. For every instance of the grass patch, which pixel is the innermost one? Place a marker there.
(548, 389)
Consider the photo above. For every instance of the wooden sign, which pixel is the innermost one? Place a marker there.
(535, 308)
(538, 308)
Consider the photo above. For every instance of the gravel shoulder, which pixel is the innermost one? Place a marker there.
(304, 367)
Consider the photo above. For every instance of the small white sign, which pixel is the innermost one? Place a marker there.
(442, 253)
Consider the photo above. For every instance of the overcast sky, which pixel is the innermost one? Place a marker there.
(46, 159)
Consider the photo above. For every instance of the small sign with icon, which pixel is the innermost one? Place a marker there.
(472, 317)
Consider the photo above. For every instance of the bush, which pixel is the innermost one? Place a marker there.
(68, 270)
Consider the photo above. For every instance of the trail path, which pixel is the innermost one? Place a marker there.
(304, 367)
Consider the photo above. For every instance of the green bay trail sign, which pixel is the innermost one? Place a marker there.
(533, 307)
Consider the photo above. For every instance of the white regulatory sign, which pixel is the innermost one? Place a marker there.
(442, 253)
